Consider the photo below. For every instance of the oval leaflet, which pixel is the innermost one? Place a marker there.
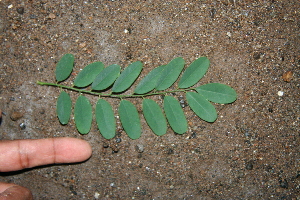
(63, 107)
(83, 114)
(130, 119)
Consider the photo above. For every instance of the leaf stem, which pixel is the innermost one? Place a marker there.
(111, 95)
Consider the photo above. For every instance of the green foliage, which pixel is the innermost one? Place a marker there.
(127, 77)
(154, 117)
(83, 114)
(105, 119)
(201, 106)
(194, 73)
(217, 93)
(175, 115)
(64, 67)
(106, 78)
(158, 80)
(63, 107)
(130, 119)
(170, 73)
(88, 74)
(149, 82)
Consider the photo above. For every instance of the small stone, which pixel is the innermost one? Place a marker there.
(287, 76)
(51, 16)
(20, 10)
(283, 183)
(97, 195)
(256, 55)
(280, 93)
(118, 140)
(22, 126)
(139, 148)
(249, 165)
(82, 45)
(105, 145)
(16, 115)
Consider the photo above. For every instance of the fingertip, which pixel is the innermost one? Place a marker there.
(72, 150)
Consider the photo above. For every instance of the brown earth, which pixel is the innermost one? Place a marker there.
(250, 152)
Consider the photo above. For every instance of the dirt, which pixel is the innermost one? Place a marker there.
(250, 152)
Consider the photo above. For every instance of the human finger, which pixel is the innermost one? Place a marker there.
(21, 154)
(10, 191)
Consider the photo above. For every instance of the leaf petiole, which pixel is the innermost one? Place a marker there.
(112, 95)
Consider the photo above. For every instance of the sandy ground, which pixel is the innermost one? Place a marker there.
(250, 152)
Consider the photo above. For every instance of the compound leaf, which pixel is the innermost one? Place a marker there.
(83, 114)
(63, 107)
(105, 119)
(175, 115)
(106, 77)
(194, 72)
(88, 74)
(170, 73)
(64, 67)
(127, 77)
(130, 119)
(203, 108)
(217, 93)
(149, 82)
(154, 117)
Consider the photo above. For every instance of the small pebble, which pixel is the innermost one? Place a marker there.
(283, 183)
(287, 76)
(51, 16)
(16, 115)
(139, 148)
(105, 145)
(256, 55)
(118, 140)
(22, 126)
(97, 195)
(249, 165)
(280, 93)
(20, 10)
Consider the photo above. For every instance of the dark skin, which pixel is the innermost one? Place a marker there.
(21, 154)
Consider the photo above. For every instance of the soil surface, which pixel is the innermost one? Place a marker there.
(250, 152)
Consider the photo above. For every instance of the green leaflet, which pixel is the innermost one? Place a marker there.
(149, 82)
(203, 108)
(175, 115)
(217, 93)
(170, 73)
(63, 107)
(154, 117)
(127, 77)
(64, 67)
(88, 74)
(83, 114)
(106, 77)
(105, 119)
(130, 119)
(194, 72)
